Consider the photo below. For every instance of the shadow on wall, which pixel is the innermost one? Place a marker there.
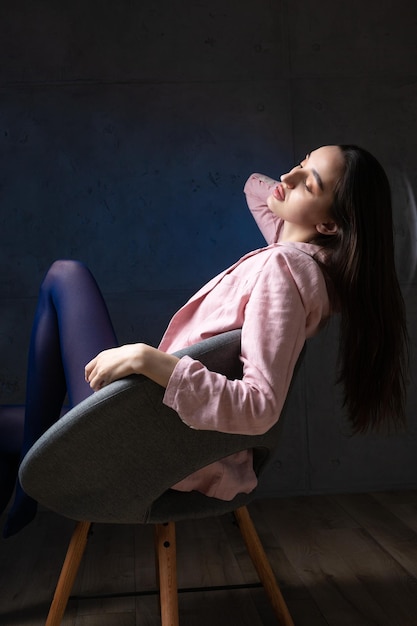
(405, 228)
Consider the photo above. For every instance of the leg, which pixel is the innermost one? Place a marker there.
(68, 574)
(262, 566)
(11, 437)
(71, 326)
(166, 568)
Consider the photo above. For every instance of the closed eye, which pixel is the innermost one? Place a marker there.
(301, 166)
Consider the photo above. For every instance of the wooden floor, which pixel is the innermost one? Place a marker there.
(348, 560)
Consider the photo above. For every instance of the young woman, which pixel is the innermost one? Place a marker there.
(328, 226)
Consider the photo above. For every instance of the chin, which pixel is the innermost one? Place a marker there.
(272, 203)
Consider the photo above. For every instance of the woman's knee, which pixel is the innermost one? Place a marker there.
(67, 266)
(64, 270)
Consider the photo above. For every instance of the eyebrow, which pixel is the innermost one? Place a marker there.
(316, 175)
(318, 179)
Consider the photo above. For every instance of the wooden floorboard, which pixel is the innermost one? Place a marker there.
(340, 560)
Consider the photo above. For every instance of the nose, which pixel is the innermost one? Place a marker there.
(290, 179)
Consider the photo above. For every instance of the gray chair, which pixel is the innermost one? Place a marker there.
(113, 459)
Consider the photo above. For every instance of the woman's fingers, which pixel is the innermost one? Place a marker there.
(112, 364)
(97, 373)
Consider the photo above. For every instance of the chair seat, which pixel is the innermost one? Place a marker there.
(114, 457)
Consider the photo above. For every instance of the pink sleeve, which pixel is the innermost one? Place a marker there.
(257, 189)
(273, 335)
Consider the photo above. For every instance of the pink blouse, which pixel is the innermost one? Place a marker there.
(278, 296)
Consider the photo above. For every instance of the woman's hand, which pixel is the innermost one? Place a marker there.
(135, 358)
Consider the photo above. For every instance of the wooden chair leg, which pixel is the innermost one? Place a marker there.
(69, 571)
(166, 556)
(262, 566)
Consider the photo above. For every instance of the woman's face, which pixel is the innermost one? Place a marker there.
(304, 197)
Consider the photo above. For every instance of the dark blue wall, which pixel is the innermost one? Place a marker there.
(127, 131)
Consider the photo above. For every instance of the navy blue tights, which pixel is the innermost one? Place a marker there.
(71, 326)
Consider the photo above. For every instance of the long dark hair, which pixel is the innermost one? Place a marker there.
(373, 353)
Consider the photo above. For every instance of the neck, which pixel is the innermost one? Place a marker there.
(292, 232)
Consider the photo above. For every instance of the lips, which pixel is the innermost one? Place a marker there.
(278, 192)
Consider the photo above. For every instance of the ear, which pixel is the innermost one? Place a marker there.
(330, 228)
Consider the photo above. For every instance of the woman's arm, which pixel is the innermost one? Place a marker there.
(257, 189)
(273, 333)
(135, 358)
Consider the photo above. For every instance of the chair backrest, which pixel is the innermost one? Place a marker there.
(114, 457)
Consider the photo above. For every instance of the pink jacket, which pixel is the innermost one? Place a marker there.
(278, 296)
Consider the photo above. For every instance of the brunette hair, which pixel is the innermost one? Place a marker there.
(373, 351)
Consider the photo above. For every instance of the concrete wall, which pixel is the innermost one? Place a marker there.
(127, 130)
